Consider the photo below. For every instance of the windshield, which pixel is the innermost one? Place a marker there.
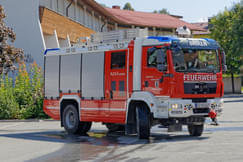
(187, 60)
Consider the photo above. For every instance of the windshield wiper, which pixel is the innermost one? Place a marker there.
(211, 71)
(192, 70)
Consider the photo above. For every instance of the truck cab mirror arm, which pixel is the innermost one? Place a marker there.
(223, 60)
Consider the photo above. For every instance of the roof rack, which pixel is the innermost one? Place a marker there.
(118, 35)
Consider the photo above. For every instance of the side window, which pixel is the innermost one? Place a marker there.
(118, 60)
(152, 57)
(121, 85)
(113, 85)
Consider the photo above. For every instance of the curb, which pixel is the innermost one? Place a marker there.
(233, 95)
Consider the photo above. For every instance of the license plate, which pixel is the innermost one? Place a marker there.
(201, 105)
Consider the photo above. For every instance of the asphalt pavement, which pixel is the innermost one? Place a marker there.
(45, 140)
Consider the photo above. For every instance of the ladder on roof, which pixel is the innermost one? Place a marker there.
(115, 36)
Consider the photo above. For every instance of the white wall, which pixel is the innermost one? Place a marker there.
(23, 17)
(228, 84)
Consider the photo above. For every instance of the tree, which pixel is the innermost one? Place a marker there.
(9, 55)
(128, 6)
(227, 29)
(162, 11)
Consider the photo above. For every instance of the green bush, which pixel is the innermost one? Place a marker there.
(8, 105)
(22, 98)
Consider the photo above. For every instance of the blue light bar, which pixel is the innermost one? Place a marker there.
(190, 43)
(51, 49)
(163, 39)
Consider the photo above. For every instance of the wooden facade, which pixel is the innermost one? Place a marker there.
(51, 21)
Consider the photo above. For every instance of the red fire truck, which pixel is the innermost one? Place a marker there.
(132, 82)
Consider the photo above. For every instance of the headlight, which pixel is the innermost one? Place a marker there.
(176, 106)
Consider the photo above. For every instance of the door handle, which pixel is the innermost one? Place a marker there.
(111, 94)
(146, 83)
(161, 79)
(169, 75)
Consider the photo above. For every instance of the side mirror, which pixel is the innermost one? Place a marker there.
(161, 62)
(224, 68)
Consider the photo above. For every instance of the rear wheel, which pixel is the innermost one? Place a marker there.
(143, 121)
(84, 127)
(72, 123)
(195, 130)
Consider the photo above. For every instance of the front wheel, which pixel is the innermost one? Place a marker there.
(72, 123)
(195, 130)
(143, 122)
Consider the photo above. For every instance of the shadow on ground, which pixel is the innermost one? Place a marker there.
(97, 144)
(96, 137)
(104, 144)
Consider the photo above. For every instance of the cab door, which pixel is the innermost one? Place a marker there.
(154, 79)
(116, 83)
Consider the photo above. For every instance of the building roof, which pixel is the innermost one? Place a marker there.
(203, 25)
(147, 19)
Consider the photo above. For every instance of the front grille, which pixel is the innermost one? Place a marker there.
(200, 88)
(201, 110)
(197, 100)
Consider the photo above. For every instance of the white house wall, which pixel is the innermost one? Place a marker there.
(61, 8)
(23, 17)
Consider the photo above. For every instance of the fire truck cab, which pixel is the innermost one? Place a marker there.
(132, 82)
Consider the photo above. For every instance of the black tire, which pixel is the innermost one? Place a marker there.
(114, 127)
(142, 122)
(72, 123)
(84, 127)
(195, 130)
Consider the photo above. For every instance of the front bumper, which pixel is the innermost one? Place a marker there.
(182, 108)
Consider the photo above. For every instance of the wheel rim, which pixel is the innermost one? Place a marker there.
(70, 119)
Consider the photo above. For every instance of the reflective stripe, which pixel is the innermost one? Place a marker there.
(51, 107)
(103, 109)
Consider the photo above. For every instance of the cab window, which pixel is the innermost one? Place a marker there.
(152, 57)
(118, 60)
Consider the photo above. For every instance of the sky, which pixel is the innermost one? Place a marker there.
(191, 10)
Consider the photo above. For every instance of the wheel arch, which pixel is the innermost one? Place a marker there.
(131, 111)
(65, 100)
(146, 98)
